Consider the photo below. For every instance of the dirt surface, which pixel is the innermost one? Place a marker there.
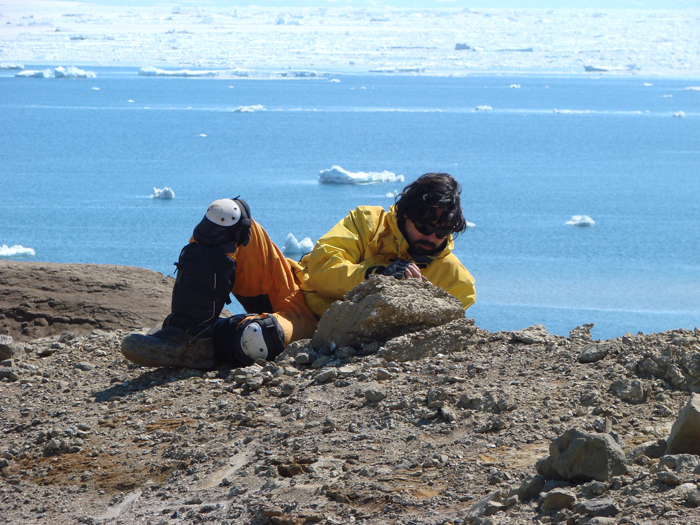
(43, 299)
(88, 437)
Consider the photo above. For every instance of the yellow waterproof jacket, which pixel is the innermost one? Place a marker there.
(370, 236)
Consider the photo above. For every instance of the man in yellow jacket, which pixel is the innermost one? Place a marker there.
(230, 252)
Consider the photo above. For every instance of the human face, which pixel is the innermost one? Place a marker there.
(421, 243)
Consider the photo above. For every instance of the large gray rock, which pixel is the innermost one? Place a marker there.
(8, 348)
(579, 456)
(685, 433)
(382, 308)
(632, 391)
(43, 299)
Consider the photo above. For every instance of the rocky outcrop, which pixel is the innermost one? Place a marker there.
(44, 299)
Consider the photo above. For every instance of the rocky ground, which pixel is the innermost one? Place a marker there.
(444, 425)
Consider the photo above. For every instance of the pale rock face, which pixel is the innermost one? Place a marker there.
(685, 433)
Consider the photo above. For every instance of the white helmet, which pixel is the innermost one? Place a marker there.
(224, 212)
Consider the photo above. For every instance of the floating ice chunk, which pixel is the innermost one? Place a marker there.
(95, 89)
(202, 134)
(30, 73)
(130, 101)
(335, 80)
(291, 245)
(470, 224)
(692, 88)
(338, 175)
(581, 221)
(483, 108)
(679, 114)
(10, 65)
(249, 109)
(572, 111)
(73, 72)
(515, 86)
(16, 251)
(150, 71)
(392, 194)
(165, 193)
(647, 84)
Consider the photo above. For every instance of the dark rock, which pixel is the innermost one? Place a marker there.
(604, 507)
(634, 392)
(650, 449)
(579, 456)
(558, 499)
(531, 487)
(593, 352)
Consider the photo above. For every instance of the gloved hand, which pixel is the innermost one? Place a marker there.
(226, 225)
(397, 268)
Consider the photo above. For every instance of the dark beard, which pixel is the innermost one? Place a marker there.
(426, 248)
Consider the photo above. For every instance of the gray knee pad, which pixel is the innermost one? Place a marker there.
(242, 339)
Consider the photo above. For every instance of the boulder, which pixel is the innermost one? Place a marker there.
(632, 391)
(45, 299)
(594, 352)
(382, 308)
(579, 456)
(685, 433)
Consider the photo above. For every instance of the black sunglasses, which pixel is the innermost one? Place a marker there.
(429, 229)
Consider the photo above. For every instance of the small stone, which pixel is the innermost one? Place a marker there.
(598, 507)
(558, 499)
(593, 352)
(373, 395)
(85, 367)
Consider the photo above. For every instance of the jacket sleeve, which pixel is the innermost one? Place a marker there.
(340, 259)
(453, 277)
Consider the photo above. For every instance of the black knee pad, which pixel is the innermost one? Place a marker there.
(241, 339)
(205, 276)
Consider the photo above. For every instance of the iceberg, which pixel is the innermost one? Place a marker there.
(692, 88)
(483, 108)
(30, 73)
(150, 71)
(165, 193)
(337, 175)
(291, 245)
(11, 65)
(582, 221)
(72, 72)
(16, 251)
(248, 109)
(679, 114)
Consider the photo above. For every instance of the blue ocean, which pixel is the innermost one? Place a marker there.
(80, 158)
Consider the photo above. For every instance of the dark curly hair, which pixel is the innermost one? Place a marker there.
(421, 200)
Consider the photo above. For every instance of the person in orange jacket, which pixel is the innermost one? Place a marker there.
(231, 253)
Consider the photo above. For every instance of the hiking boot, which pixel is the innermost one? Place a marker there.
(170, 346)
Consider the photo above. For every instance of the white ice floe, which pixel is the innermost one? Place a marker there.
(59, 72)
(16, 251)
(165, 193)
(31, 73)
(515, 86)
(692, 88)
(679, 114)
(647, 84)
(73, 72)
(392, 194)
(150, 71)
(335, 80)
(291, 245)
(581, 221)
(5, 65)
(470, 225)
(248, 109)
(338, 175)
(483, 108)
